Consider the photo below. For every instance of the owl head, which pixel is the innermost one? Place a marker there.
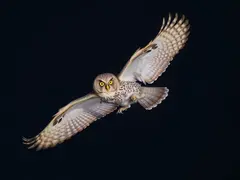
(106, 84)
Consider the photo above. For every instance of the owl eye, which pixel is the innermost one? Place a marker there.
(101, 84)
(110, 82)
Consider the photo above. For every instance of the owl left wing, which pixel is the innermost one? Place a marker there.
(148, 63)
(71, 119)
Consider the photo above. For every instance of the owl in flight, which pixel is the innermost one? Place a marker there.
(123, 90)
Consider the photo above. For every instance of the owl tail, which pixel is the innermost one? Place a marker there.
(152, 96)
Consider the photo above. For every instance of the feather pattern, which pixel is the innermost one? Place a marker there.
(70, 120)
(148, 63)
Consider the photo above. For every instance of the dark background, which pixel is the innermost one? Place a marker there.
(60, 47)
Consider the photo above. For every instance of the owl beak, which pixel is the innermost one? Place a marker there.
(107, 87)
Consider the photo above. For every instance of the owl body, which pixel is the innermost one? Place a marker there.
(122, 96)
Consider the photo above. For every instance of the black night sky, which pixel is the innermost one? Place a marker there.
(60, 47)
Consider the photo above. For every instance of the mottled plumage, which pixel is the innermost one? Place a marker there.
(111, 92)
(122, 96)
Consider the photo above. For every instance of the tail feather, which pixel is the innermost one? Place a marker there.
(152, 96)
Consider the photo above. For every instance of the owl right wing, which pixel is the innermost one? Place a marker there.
(148, 63)
(70, 120)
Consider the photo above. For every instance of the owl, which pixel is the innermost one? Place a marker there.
(119, 91)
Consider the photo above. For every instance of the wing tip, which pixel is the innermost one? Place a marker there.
(36, 143)
(172, 20)
(29, 142)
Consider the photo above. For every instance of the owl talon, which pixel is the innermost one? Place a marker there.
(120, 110)
(133, 98)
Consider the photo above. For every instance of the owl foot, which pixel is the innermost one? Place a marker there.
(133, 98)
(124, 108)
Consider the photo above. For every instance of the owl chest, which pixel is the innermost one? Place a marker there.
(126, 90)
(123, 94)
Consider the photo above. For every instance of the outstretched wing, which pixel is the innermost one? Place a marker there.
(148, 63)
(71, 119)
